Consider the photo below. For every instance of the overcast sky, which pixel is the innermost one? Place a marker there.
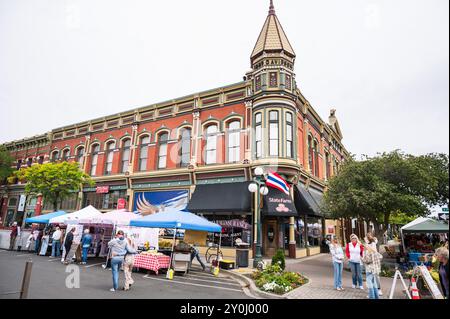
(383, 64)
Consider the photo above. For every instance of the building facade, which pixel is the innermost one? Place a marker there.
(201, 151)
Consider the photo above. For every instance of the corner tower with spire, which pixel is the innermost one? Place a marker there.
(273, 88)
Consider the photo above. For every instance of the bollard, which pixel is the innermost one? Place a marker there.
(26, 280)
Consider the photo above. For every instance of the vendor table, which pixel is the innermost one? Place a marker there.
(151, 262)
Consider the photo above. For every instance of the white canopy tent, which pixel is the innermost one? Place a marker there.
(84, 215)
(423, 225)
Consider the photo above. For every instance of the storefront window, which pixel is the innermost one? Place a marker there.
(103, 201)
(300, 233)
(232, 229)
(68, 204)
(314, 231)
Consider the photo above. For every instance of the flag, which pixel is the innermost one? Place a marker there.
(276, 181)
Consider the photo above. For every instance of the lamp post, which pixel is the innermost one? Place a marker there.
(259, 188)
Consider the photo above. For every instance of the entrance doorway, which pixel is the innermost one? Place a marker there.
(270, 237)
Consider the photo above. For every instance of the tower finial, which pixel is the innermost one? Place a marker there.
(271, 8)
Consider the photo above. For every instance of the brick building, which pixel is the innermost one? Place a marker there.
(201, 150)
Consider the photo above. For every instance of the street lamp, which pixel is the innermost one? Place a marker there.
(259, 188)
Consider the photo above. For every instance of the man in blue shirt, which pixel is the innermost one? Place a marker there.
(85, 245)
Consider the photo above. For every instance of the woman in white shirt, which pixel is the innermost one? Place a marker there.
(337, 254)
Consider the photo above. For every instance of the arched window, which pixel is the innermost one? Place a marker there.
(273, 133)
(125, 157)
(162, 153)
(316, 158)
(234, 141)
(211, 144)
(289, 135)
(310, 154)
(54, 156)
(94, 151)
(258, 135)
(80, 156)
(65, 155)
(143, 153)
(109, 157)
(185, 147)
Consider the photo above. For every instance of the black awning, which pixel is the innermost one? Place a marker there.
(308, 201)
(278, 204)
(221, 198)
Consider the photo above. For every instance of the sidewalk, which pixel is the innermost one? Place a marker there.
(319, 270)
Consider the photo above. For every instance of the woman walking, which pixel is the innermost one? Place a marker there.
(372, 242)
(354, 251)
(338, 262)
(372, 262)
(118, 247)
(128, 264)
(442, 256)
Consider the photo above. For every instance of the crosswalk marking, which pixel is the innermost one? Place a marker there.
(191, 284)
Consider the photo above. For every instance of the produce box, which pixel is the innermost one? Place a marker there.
(227, 264)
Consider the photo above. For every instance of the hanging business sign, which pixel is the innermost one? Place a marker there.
(22, 202)
(277, 203)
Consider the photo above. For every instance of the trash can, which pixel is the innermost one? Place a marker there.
(242, 255)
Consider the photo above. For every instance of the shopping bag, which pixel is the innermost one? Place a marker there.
(170, 274)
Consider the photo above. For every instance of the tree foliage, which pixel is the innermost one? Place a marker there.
(376, 187)
(54, 181)
(5, 164)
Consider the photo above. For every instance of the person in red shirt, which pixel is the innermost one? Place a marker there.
(354, 252)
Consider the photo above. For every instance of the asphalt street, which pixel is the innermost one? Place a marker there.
(48, 281)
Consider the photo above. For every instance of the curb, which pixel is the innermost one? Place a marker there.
(250, 285)
(290, 293)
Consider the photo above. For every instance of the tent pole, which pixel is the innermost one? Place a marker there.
(403, 241)
(173, 246)
(220, 243)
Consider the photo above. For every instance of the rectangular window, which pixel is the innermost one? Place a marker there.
(258, 83)
(273, 133)
(273, 82)
(162, 163)
(288, 82)
(143, 154)
(258, 135)
(289, 135)
(211, 144)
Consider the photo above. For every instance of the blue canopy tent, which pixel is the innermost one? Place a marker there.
(177, 220)
(44, 219)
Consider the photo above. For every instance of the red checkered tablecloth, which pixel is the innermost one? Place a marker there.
(152, 262)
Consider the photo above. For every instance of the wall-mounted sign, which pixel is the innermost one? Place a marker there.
(22, 201)
(121, 203)
(102, 189)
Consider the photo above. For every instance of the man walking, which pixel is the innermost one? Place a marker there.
(195, 254)
(15, 231)
(85, 245)
(68, 245)
(56, 243)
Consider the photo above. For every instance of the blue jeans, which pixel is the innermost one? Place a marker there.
(36, 245)
(338, 274)
(56, 247)
(356, 273)
(84, 254)
(371, 282)
(116, 263)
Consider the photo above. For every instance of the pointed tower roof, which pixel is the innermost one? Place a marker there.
(272, 37)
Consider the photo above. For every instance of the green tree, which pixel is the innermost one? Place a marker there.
(55, 181)
(5, 164)
(374, 188)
